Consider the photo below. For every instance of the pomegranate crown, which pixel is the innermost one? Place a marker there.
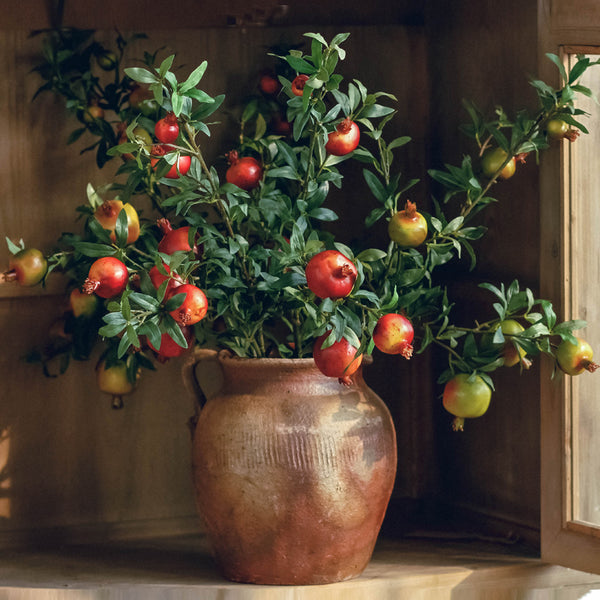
(345, 125)
(170, 118)
(164, 225)
(410, 209)
(232, 157)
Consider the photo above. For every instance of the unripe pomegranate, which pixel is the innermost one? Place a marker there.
(329, 274)
(394, 334)
(139, 135)
(408, 227)
(466, 397)
(114, 380)
(91, 113)
(557, 129)
(574, 359)
(83, 305)
(106, 60)
(338, 360)
(107, 214)
(141, 98)
(512, 355)
(27, 267)
(194, 307)
(493, 159)
(107, 277)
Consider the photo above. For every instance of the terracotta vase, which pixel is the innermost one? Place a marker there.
(293, 471)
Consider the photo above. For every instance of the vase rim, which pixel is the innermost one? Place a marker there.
(227, 355)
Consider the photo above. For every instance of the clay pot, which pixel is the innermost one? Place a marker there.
(293, 472)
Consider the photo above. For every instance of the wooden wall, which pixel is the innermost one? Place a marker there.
(70, 466)
(486, 53)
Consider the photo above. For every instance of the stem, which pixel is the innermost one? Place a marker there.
(392, 250)
(218, 201)
(313, 141)
(448, 349)
(539, 121)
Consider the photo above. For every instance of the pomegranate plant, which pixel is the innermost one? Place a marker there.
(239, 254)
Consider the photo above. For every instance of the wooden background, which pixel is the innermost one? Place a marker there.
(70, 463)
(71, 467)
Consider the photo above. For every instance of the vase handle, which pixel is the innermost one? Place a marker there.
(197, 391)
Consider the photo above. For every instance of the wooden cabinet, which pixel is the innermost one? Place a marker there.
(69, 466)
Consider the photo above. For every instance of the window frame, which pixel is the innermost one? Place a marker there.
(564, 540)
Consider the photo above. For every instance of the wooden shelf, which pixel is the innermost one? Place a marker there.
(181, 567)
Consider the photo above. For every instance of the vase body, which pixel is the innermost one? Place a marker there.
(293, 472)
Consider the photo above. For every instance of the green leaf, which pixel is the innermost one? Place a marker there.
(141, 75)
(549, 313)
(144, 301)
(152, 331)
(318, 37)
(261, 127)
(374, 216)
(375, 186)
(194, 78)
(173, 329)
(286, 152)
(558, 62)
(300, 65)
(569, 326)
(198, 95)
(436, 224)
(112, 329)
(208, 108)
(333, 160)
(286, 172)
(93, 197)
(578, 69)
(316, 50)
(93, 250)
(371, 255)
(323, 214)
(340, 38)
(375, 111)
(124, 345)
(399, 142)
(453, 226)
(174, 302)
(75, 135)
(121, 229)
(177, 103)
(165, 65)
(14, 248)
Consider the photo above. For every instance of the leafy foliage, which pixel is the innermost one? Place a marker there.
(254, 245)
